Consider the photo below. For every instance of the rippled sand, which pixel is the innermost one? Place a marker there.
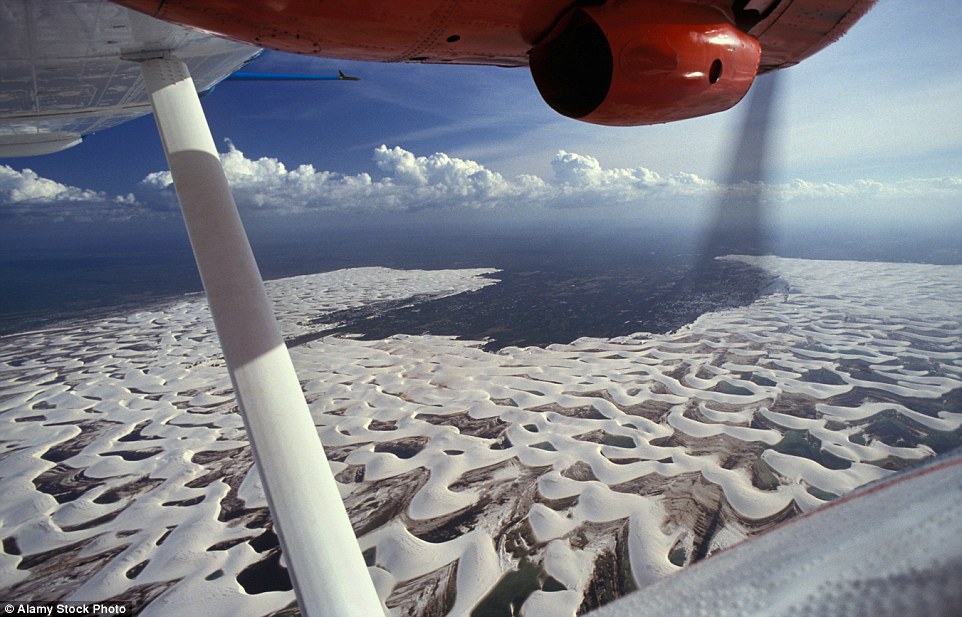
(557, 478)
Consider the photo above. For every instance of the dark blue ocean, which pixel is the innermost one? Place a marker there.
(558, 281)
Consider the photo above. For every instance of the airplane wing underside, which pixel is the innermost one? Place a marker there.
(64, 71)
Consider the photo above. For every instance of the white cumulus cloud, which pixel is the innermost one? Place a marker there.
(26, 186)
(861, 190)
(406, 183)
(402, 181)
(25, 195)
(581, 180)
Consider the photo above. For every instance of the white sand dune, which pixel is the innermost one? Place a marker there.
(888, 550)
(555, 479)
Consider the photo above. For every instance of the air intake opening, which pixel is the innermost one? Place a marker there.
(715, 72)
(573, 69)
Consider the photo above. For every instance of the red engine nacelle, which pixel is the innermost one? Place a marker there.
(633, 62)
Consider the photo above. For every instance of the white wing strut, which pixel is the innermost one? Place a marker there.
(322, 553)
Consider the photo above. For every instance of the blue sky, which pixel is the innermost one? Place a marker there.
(872, 122)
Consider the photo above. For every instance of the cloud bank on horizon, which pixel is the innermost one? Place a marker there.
(402, 181)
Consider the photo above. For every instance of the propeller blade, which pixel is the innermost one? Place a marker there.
(737, 225)
(739, 215)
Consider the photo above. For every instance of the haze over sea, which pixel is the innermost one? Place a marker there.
(559, 281)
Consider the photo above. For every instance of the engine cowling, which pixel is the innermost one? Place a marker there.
(634, 62)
